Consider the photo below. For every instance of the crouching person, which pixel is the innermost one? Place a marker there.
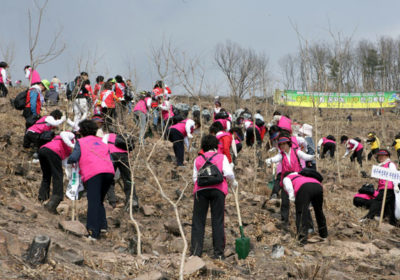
(365, 196)
(97, 172)
(210, 193)
(51, 156)
(303, 191)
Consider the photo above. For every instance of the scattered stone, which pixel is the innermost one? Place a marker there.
(176, 246)
(193, 265)
(381, 244)
(213, 270)
(3, 245)
(367, 268)
(278, 251)
(159, 249)
(153, 275)
(338, 275)
(75, 227)
(395, 252)
(20, 170)
(68, 255)
(269, 228)
(148, 210)
(16, 207)
(63, 207)
(172, 227)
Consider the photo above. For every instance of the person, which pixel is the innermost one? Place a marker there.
(3, 79)
(32, 75)
(130, 93)
(354, 146)
(217, 108)
(224, 139)
(99, 121)
(306, 133)
(97, 173)
(383, 157)
(210, 196)
(349, 118)
(140, 111)
(258, 115)
(34, 101)
(179, 134)
(258, 127)
(365, 195)
(120, 161)
(328, 144)
(223, 118)
(284, 122)
(237, 135)
(98, 87)
(55, 83)
(374, 143)
(167, 111)
(290, 162)
(159, 90)
(51, 156)
(396, 145)
(205, 114)
(45, 123)
(81, 106)
(303, 191)
(107, 101)
(120, 89)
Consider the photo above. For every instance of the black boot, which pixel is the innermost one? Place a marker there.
(51, 206)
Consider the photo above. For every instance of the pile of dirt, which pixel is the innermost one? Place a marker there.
(352, 250)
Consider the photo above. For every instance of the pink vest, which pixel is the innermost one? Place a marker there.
(223, 122)
(365, 196)
(113, 149)
(1, 77)
(295, 145)
(217, 161)
(166, 114)
(220, 145)
(34, 76)
(181, 127)
(58, 146)
(381, 183)
(141, 106)
(326, 140)
(40, 126)
(95, 157)
(293, 166)
(257, 128)
(359, 147)
(285, 123)
(298, 181)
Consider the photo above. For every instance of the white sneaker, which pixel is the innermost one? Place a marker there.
(35, 161)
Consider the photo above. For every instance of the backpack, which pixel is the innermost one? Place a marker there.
(128, 96)
(309, 172)
(70, 89)
(357, 139)
(331, 137)
(31, 120)
(121, 142)
(209, 174)
(259, 123)
(367, 189)
(46, 136)
(20, 101)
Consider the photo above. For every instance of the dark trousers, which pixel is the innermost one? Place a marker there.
(250, 137)
(328, 147)
(372, 152)
(3, 89)
(398, 154)
(97, 187)
(357, 155)
(376, 205)
(310, 193)
(179, 148)
(51, 166)
(202, 200)
(109, 115)
(121, 162)
(362, 202)
(31, 138)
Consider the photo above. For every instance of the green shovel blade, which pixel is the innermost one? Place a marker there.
(271, 184)
(242, 245)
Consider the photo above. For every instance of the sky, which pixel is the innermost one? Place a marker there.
(121, 32)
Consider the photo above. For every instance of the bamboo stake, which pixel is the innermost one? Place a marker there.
(383, 204)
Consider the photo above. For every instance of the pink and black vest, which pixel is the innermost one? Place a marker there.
(181, 127)
(141, 106)
(40, 126)
(326, 140)
(113, 148)
(366, 196)
(298, 181)
(381, 183)
(293, 166)
(285, 123)
(166, 114)
(359, 147)
(95, 157)
(217, 161)
(58, 146)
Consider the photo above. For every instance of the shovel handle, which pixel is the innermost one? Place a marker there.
(237, 207)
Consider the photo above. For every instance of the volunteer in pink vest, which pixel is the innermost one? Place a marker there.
(289, 158)
(141, 111)
(383, 157)
(179, 135)
(305, 191)
(353, 146)
(3, 79)
(107, 101)
(46, 123)
(284, 122)
(224, 139)
(32, 75)
(250, 127)
(365, 196)
(97, 172)
(328, 144)
(120, 161)
(166, 110)
(51, 156)
(210, 196)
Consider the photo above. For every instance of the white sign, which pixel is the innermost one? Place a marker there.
(385, 173)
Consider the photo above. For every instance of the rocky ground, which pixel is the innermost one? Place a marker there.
(352, 250)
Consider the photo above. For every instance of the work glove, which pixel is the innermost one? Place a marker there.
(344, 156)
(232, 165)
(268, 162)
(63, 118)
(234, 184)
(190, 136)
(396, 188)
(291, 197)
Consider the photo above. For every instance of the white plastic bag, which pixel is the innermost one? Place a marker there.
(397, 205)
(75, 185)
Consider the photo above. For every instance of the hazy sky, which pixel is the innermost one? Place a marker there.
(123, 30)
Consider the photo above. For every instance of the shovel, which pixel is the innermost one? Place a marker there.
(271, 183)
(242, 244)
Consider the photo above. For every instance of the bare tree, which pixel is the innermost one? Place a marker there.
(55, 48)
